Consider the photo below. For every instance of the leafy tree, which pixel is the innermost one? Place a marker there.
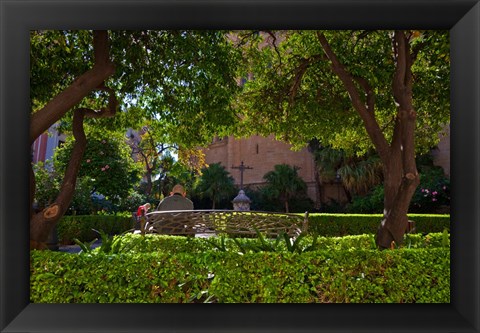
(82, 201)
(284, 184)
(153, 155)
(355, 90)
(107, 163)
(181, 79)
(215, 183)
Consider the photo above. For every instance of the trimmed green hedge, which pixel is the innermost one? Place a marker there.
(357, 224)
(338, 276)
(80, 226)
(175, 244)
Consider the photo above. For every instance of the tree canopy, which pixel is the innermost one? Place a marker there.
(178, 83)
(295, 95)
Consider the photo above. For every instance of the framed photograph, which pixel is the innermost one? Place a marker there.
(18, 18)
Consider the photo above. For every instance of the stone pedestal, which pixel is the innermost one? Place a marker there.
(241, 201)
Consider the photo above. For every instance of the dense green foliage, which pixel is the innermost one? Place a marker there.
(80, 227)
(176, 82)
(296, 96)
(169, 244)
(167, 269)
(48, 184)
(107, 164)
(357, 224)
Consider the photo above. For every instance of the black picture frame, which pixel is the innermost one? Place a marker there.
(461, 17)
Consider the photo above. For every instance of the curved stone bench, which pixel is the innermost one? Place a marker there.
(230, 222)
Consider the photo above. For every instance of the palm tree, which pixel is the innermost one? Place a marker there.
(360, 176)
(357, 174)
(284, 183)
(215, 183)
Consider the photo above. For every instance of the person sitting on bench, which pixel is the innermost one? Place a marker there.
(176, 201)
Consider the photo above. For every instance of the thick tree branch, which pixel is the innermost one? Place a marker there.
(42, 119)
(101, 48)
(402, 89)
(400, 76)
(370, 95)
(299, 72)
(371, 125)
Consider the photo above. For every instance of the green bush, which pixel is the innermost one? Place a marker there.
(357, 224)
(338, 276)
(176, 244)
(433, 192)
(80, 226)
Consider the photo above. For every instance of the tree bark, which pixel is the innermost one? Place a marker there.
(149, 186)
(394, 225)
(42, 223)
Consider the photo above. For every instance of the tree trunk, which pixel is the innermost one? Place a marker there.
(319, 186)
(42, 223)
(401, 167)
(398, 158)
(149, 186)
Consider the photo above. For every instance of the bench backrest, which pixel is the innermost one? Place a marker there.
(189, 222)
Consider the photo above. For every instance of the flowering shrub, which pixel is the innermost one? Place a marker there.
(106, 163)
(433, 193)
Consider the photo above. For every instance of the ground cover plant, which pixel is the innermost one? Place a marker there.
(175, 269)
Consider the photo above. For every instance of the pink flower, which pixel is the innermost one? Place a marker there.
(423, 190)
(434, 199)
(103, 169)
(434, 193)
(88, 161)
(107, 167)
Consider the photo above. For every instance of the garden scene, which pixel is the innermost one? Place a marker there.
(314, 163)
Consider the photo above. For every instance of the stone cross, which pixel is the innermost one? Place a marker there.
(242, 168)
